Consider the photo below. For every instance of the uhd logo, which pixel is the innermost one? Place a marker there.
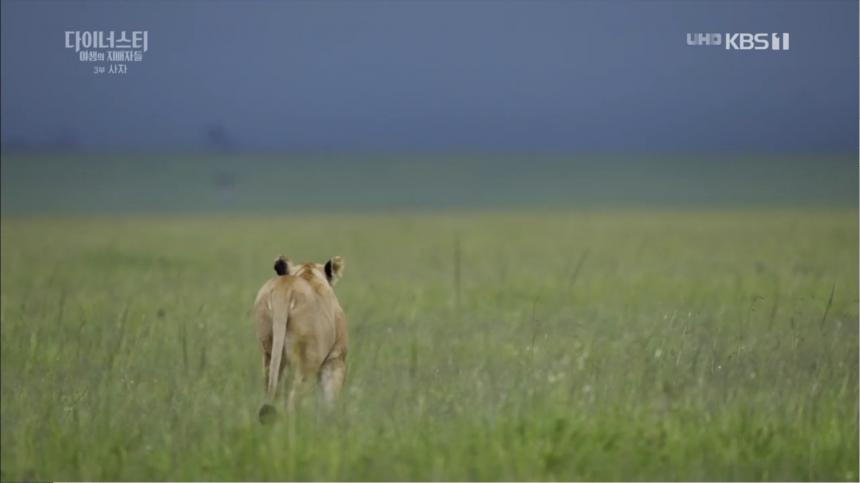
(704, 39)
(741, 41)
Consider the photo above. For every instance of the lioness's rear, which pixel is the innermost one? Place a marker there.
(301, 326)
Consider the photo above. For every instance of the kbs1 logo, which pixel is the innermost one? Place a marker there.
(741, 41)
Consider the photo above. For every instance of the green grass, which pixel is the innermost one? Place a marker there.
(668, 345)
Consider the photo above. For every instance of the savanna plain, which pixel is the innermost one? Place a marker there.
(652, 343)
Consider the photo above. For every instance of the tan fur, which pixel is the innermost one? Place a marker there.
(301, 326)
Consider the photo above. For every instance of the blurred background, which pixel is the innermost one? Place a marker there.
(344, 106)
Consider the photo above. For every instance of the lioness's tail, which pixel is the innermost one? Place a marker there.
(280, 316)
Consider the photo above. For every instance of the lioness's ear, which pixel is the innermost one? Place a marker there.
(334, 269)
(282, 265)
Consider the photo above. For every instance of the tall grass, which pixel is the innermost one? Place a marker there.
(594, 345)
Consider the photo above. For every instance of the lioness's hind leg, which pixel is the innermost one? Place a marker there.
(295, 390)
(332, 375)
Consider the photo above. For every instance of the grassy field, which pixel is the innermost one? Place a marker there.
(589, 345)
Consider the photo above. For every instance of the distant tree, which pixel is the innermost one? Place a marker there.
(225, 179)
(218, 137)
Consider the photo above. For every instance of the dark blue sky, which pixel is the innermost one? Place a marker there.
(499, 76)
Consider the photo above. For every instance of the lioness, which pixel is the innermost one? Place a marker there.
(300, 324)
